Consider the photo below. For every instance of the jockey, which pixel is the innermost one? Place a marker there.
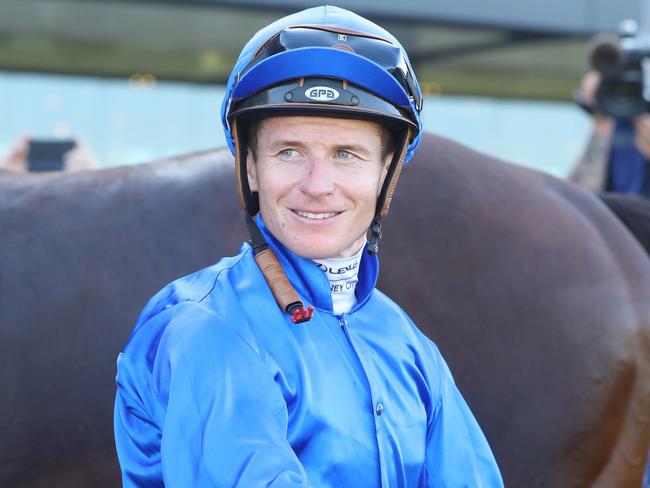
(284, 365)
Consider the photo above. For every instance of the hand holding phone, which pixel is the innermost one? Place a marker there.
(47, 155)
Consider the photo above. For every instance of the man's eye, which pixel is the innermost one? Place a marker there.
(288, 153)
(344, 155)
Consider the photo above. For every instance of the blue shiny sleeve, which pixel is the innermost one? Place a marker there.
(457, 452)
(207, 414)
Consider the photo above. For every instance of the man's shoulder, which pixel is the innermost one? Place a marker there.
(187, 306)
(196, 286)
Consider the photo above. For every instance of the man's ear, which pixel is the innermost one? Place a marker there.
(251, 170)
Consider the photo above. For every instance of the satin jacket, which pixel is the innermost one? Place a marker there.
(216, 387)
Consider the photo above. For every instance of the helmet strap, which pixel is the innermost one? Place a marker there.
(375, 236)
(394, 170)
(247, 199)
(386, 193)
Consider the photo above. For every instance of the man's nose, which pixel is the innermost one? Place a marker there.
(318, 179)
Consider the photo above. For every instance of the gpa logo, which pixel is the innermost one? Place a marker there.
(321, 93)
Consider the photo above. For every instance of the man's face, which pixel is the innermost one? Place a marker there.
(318, 180)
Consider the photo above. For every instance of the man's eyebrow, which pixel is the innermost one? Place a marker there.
(286, 143)
(352, 147)
(355, 148)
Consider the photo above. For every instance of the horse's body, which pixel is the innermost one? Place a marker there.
(634, 212)
(537, 296)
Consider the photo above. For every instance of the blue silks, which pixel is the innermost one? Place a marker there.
(627, 165)
(216, 387)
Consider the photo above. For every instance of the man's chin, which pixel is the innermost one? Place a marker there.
(321, 248)
(314, 248)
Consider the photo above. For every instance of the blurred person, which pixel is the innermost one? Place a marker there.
(617, 155)
(16, 158)
(80, 157)
(285, 366)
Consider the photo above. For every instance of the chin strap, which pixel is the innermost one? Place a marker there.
(386, 194)
(282, 290)
(375, 236)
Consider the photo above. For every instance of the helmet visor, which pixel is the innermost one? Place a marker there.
(384, 53)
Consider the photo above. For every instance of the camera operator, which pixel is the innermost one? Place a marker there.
(617, 155)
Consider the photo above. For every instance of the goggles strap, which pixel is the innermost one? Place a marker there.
(284, 294)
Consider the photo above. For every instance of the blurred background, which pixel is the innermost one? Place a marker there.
(143, 79)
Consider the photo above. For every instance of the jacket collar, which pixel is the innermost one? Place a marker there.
(311, 283)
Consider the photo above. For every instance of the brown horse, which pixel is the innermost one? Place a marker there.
(537, 295)
(634, 212)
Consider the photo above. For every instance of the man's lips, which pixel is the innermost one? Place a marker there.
(315, 215)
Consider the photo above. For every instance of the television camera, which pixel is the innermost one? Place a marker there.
(623, 62)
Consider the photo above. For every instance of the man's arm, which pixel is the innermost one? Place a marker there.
(642, 135)
(591, 170)
(211, 404)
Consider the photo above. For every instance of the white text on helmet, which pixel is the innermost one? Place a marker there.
(321, 93)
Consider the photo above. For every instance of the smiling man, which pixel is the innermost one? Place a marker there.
(318, 180)
(284, 366)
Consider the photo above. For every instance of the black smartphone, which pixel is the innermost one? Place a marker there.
(47, 155)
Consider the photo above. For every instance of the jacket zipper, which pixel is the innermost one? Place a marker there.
(344, 327)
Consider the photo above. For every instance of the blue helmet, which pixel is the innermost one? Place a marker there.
(323, 61)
